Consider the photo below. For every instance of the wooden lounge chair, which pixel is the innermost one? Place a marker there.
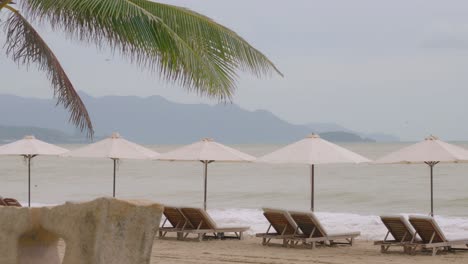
(400, 230)
(313, 231)
(178, 222)
(283, 225)
(11, 202)
(204, 225)
(432, 236)
(2, 203)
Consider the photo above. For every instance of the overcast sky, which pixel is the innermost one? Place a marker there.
(399, 67)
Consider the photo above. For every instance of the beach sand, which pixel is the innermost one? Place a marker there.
(250, 250)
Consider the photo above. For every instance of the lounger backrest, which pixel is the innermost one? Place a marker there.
(308, 223)
(427, 229)
(199, 218)
(11, 202)
(398, 227)
(175, 217)
(281, 221)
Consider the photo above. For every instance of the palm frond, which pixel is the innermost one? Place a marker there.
(224, 43)
(26, 47)
(182, 45)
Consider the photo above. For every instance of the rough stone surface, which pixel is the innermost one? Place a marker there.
(102, 231)
(22, 240)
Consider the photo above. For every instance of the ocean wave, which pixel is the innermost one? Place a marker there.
(370, 226)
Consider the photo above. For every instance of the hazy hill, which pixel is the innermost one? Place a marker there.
(320, 127)
(157, 120)
(340, 136)
(11, 133)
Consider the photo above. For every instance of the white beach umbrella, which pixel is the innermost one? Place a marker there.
(30, 147)
(431, 151)
(206, 151)
(313, 150)
(115, 148)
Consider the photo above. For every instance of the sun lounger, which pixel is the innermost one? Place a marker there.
(313, 231)
(400, 230)
(432, 237)
(204, 225)
(282, 223)
(176, 219)
(11, 202)
(2, 203)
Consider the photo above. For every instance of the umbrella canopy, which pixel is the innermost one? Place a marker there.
(115, 148)
(431, 151)
(206, 151)
(313, 150)
(30, 147)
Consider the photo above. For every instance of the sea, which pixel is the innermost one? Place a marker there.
(347, 197)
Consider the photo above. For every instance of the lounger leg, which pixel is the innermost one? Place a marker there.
(413, 250)
(240, 235)
(180, 236)
(434, 251)
(384, 248)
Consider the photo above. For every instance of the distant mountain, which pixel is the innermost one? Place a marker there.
(339, 136)
(319, 127)
(331, 127)
(382, 137)
(12, 133)
(155, 120)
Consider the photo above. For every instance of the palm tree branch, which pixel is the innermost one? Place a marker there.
(182, 45)
(25, 46)
(4, 3)
(188, 24)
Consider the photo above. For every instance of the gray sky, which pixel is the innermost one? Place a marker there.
(399, 67)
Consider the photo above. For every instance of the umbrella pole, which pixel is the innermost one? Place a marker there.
(431, 166)
(206, 183)
(29, 180)
(432, 191)
(312, 187)
(115, 164)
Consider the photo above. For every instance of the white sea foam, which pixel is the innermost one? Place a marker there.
(370, 226)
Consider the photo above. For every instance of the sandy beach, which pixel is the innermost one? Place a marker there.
(250, 250)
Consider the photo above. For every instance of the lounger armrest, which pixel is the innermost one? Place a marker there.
(198, 231)
(232, 229)
(273, 235)
(447, 244)
(349, 234)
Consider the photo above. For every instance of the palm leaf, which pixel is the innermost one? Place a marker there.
(25, 46)
(182, 45)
